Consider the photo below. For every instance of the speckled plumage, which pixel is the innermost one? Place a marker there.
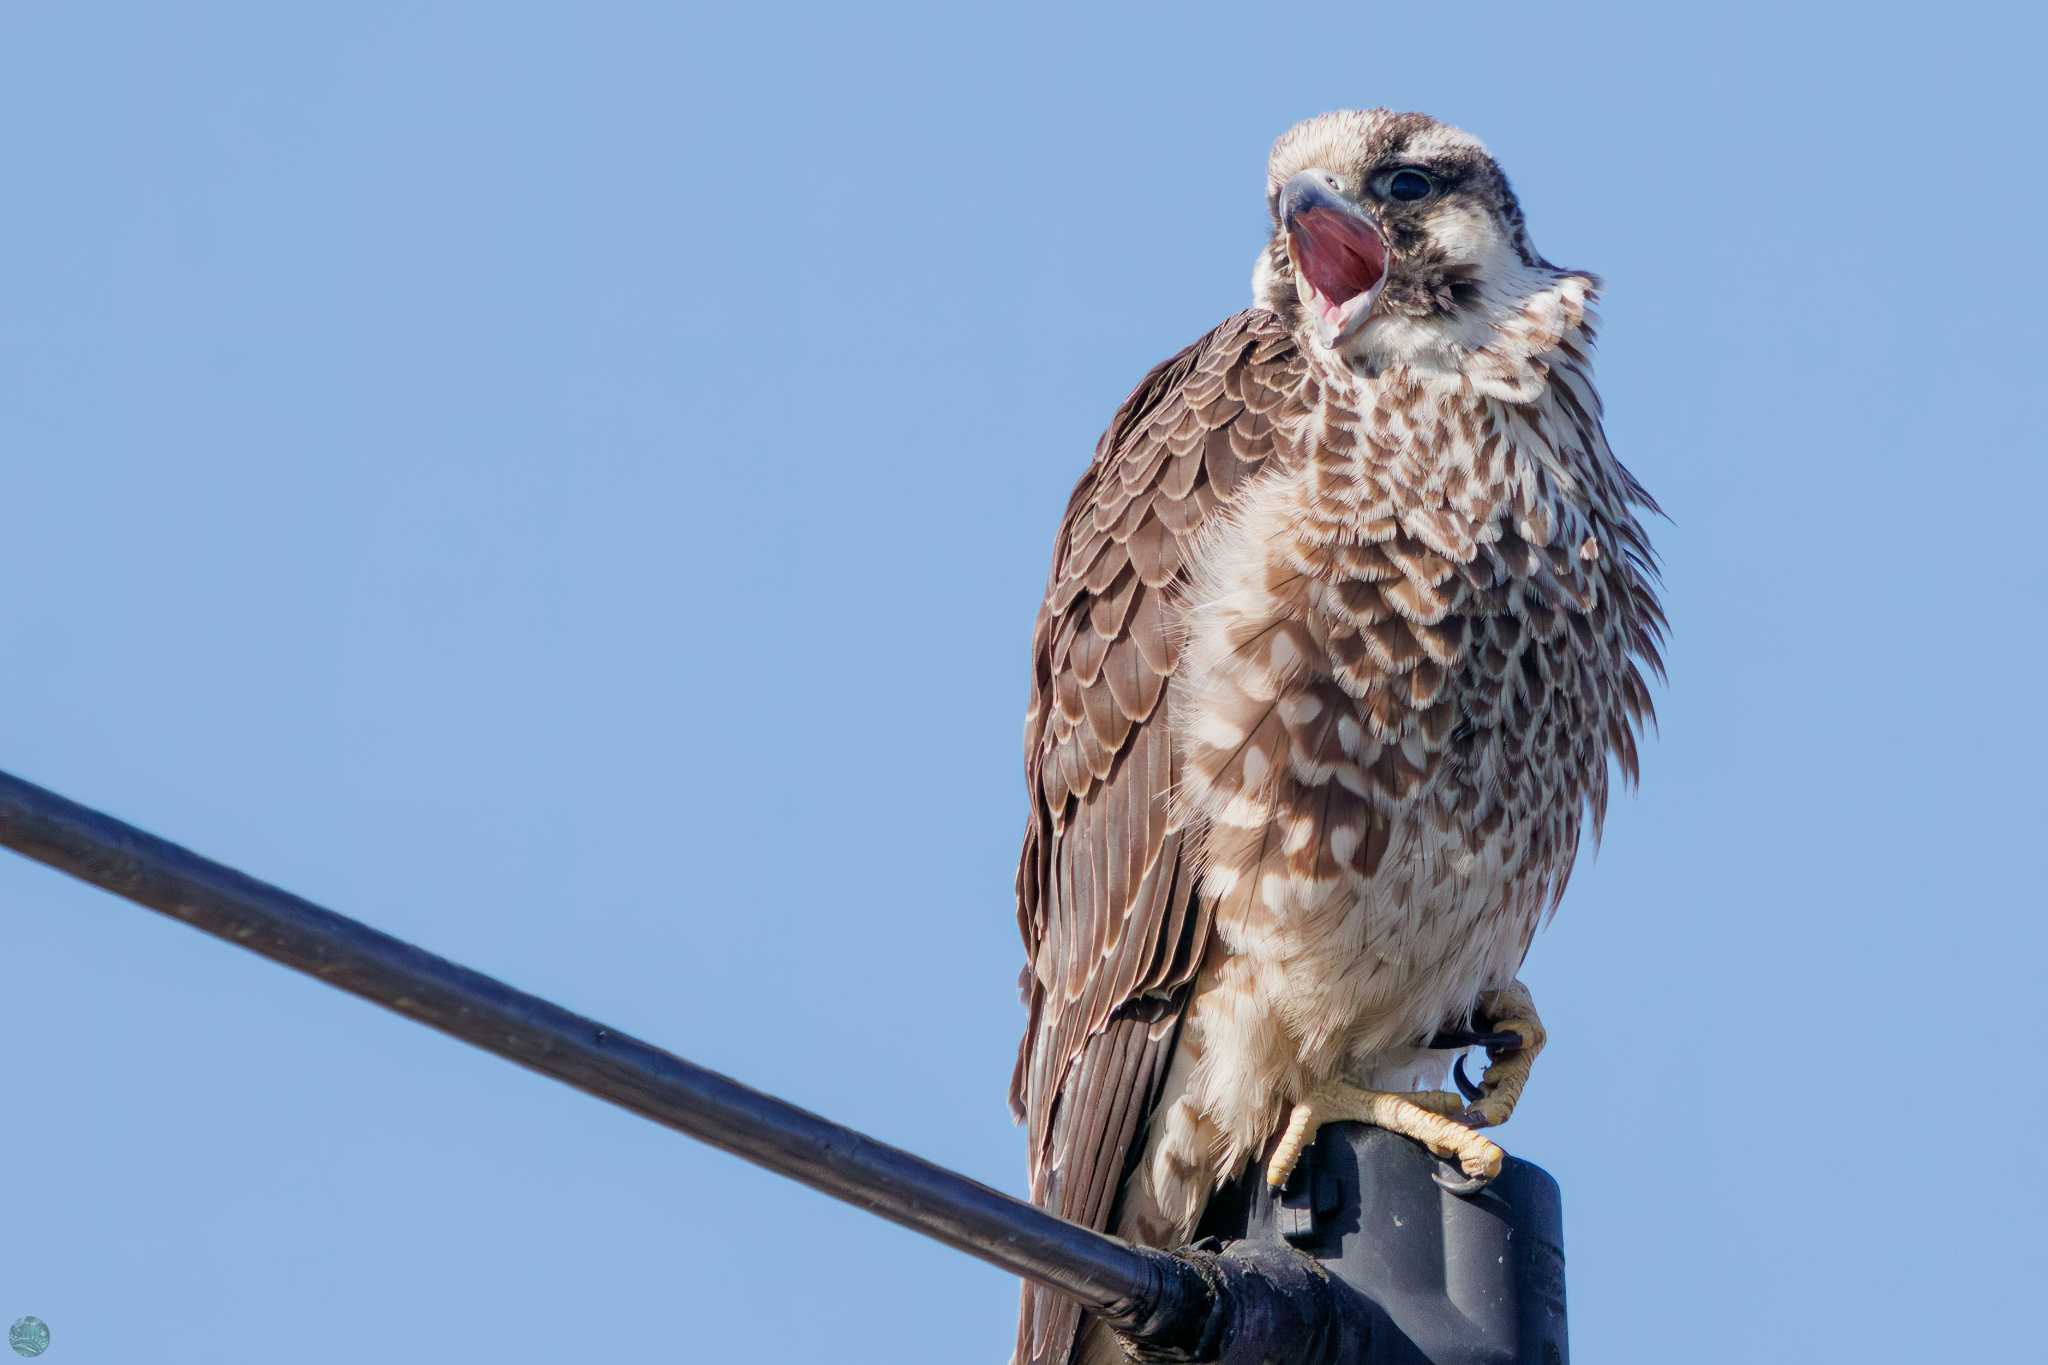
(1337, 644)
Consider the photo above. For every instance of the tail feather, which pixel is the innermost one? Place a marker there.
(1148, 1070)
(1111, 1091)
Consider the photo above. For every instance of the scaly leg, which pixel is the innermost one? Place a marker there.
(1336, 1102)
(1434, 1118)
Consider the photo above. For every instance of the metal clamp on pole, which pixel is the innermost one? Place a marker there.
(1313, 1288)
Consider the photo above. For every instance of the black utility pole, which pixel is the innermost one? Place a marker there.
(1320, 1275)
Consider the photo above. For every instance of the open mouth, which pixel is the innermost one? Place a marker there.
(1340, 262)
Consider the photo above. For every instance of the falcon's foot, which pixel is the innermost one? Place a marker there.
(1419, 1116)
(1436, 1119)
(1510, 1015)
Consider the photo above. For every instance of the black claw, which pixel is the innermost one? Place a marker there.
(1494, 1042)
(1472, 1118)
(1460, 1183)
(1466, 1087)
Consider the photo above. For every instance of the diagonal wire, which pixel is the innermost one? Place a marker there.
(1129, 1286)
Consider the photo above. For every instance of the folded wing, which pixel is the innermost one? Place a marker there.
(1113, 928)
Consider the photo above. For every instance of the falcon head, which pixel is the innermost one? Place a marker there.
(1395, 240)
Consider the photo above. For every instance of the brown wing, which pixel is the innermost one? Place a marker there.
(1113, 930)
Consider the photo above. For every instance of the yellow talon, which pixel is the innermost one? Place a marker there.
(1337, 1102)
(1437, 1119)
(1509, 1010)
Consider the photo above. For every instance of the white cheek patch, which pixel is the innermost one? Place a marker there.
(1469, 234)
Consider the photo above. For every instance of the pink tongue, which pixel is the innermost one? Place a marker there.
(1341, 258)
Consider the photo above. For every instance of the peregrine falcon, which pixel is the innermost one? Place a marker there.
(1345, 621)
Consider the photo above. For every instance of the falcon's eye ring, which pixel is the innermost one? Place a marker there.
(1408, 185)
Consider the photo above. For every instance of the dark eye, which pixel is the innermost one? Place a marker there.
(1408, 185)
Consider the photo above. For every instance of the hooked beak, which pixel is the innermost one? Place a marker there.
(1340, 255)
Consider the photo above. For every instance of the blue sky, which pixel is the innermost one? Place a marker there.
(570, 487)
